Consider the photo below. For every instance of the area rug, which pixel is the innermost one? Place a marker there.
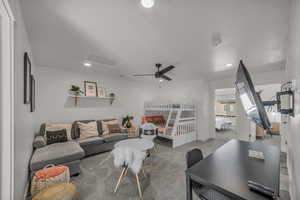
(164, 180)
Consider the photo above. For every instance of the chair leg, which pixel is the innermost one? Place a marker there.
(126, 170)
(139, 186)
(119, 180)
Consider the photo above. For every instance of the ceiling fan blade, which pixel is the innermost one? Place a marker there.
(165, 70)
(165, 77)
(143, 74)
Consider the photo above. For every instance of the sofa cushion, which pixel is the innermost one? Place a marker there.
(58, 153)
(58, 127)
(100, 128)
(39, 142)
(105, 129)
(88, 129)
(90, 141)
(75, 131)
(56, 136)
(114, 128)
(114, 137)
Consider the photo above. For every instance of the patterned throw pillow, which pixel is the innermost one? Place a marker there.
(113, 128)
(56, 136)
(105, 130)
(88, 129)
(57, 127)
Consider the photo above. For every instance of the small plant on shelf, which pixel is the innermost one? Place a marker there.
(75, 90)
(126, 121)
(112, 97)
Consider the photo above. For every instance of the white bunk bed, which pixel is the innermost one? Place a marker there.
(180, 121)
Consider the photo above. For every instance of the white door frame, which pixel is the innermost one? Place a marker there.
(6, 101)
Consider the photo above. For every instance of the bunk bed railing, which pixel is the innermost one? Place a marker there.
(180, 121)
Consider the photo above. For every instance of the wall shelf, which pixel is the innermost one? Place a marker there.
(76, 98)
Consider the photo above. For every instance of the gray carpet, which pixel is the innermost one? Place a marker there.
(165, 180)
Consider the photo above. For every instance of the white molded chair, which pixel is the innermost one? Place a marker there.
(149, 132)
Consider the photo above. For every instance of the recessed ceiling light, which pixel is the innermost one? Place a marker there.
(87, 63)
(161, 80)
(147, 3)
(229, 65)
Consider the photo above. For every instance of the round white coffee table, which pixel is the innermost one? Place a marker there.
(137, 143)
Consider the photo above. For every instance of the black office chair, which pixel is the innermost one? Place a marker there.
(204, 193)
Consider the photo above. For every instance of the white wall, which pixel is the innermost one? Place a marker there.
(244, 128)
(293, 72)
(263, 78)
(24, 120)
(193, 91)
(54, 105)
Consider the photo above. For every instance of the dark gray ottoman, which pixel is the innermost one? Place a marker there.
(67, 153)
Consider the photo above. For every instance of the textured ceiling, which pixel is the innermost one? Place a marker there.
(122, 36)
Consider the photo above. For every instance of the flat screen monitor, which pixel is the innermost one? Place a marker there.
(251, 100)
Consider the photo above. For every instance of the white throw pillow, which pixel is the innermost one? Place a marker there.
(57, 127)
(88, 129)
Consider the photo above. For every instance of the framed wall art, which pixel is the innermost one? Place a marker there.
(32, 93)
(27, 73)
(90, 89)
(102, 92)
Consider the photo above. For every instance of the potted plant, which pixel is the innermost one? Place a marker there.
(126, 121)
(75, 90)
(112, 97)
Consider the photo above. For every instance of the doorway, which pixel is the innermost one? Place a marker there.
(6, 100)
(225, 113)
(231, 121)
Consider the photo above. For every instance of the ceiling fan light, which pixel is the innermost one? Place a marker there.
(147, 3)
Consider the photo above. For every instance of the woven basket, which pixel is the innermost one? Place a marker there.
(48, 176)
(61, 191)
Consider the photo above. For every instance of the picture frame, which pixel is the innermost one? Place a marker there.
(90, 89)
(27, 73)
(32, 93)
(102, 92)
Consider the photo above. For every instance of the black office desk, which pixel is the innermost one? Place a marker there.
(228, 169)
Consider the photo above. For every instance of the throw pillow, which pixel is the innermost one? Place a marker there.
(88, 129)
(56, 136)
(39, 142)
(105, 130)
(57, 127)
(113, 128)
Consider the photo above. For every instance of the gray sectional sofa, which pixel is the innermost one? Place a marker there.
(70, 153)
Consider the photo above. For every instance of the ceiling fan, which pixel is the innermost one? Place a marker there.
(160, 73)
